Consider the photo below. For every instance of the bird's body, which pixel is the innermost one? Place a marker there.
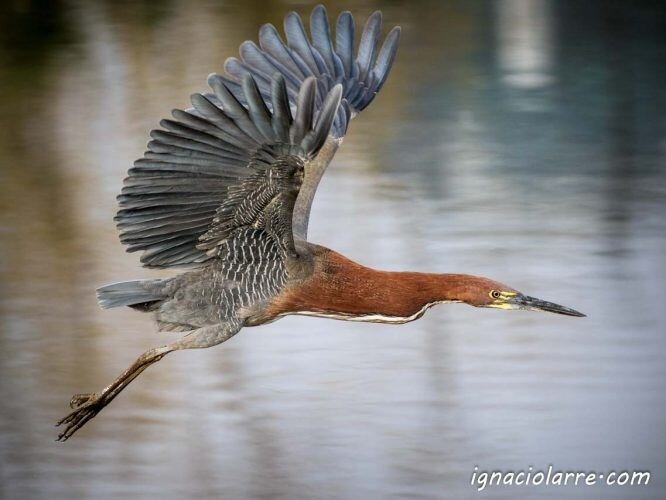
(320, 282)
(225, 189)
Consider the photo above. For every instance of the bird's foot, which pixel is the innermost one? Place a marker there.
(86, 406)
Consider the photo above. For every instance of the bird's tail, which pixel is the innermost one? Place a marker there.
(144, 295)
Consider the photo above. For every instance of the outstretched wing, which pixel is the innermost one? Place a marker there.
(224, 165)
(361, 76)
(361, 73)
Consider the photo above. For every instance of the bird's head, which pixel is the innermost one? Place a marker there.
(489, 293)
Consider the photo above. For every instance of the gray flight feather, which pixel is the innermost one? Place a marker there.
(367, 48)
(281, 110)
(361, 76)
(304, 110)
(344, 40)
(257, 109)
(321, 37)
(298, 41)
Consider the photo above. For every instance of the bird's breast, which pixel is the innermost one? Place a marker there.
(370, 317)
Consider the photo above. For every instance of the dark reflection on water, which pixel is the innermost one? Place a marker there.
(524, 140)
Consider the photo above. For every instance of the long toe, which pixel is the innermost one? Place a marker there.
(78, 418)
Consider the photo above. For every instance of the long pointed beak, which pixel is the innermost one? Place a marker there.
(534, 304)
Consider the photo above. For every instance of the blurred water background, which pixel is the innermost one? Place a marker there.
(520, 139)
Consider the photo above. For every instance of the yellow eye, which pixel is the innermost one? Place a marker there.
(495, 294)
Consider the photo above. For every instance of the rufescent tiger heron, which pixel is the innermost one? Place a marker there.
(226, 187)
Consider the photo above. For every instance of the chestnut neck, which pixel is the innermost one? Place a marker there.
(341, 286)
(426, 288)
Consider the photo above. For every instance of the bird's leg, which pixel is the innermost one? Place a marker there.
(86, 406)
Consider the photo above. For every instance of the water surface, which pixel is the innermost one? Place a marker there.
(522, 140)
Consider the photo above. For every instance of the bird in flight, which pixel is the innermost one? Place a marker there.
(225, 190)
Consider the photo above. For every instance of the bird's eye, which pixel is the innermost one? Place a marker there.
(495, 294)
